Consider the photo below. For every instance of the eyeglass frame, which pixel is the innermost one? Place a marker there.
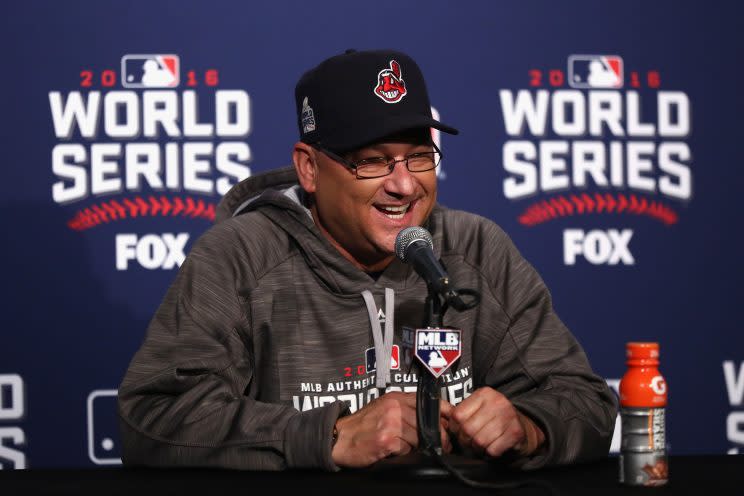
(390, 164)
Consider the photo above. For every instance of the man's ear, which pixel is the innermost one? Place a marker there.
(303, 157)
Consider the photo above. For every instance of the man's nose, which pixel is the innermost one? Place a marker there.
(401, 181)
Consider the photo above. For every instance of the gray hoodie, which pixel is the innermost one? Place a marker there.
(268, 335)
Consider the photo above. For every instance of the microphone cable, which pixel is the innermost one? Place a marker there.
(498, 486)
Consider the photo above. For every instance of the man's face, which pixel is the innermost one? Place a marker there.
(362, 217)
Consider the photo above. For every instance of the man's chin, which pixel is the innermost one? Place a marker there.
(388, 245)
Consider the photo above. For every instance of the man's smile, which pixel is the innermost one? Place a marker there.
(394, 211)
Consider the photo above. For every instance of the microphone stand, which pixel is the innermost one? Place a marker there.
(429, 388)
(428, 392)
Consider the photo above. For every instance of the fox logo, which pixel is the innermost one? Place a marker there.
(390, 85)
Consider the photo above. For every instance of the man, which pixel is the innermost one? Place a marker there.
(268, 351)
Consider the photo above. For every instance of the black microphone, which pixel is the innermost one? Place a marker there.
(414, 246)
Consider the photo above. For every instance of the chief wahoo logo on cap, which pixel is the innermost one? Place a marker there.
(390, 85)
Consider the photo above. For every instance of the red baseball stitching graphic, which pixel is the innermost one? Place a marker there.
(560, 206)
(138, 206)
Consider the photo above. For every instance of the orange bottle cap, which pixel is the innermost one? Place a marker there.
(641, 350)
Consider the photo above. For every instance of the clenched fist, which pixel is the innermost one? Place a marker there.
(487, 423)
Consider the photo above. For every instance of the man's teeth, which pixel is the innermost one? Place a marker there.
(395, 212)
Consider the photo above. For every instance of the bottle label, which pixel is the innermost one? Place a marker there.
(658, 434)
(644, 469)
(643, 429)
(643, 459)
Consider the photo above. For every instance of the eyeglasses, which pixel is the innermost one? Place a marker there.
(370, 168)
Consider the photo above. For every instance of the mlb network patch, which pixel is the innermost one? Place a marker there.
(437, 349)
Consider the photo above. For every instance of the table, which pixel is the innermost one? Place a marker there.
(714, 474)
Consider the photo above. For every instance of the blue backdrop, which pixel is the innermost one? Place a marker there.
(602, 138)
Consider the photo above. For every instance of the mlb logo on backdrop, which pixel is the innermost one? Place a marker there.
(595, 71)
(150, 71)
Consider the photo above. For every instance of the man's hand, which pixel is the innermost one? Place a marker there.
(385, 427)
(487, 423)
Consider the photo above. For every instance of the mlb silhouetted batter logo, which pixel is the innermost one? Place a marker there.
(150, 71)
(390, 85)
(595, 71)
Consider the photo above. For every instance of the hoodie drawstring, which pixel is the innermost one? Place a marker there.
(383, 345)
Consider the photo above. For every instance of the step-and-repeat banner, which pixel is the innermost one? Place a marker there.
(605, 139)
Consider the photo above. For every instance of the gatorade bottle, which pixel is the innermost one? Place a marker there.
(643, 398)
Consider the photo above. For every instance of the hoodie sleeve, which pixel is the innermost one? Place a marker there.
(184, 399)
(540, 366)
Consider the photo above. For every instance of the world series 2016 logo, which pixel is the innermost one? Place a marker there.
(597, 139)
(160, 158)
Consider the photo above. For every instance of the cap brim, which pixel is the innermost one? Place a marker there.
(345, 140)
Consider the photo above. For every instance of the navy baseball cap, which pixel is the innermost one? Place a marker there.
(356, 98)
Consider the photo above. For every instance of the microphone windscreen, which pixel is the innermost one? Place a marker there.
(406, 237)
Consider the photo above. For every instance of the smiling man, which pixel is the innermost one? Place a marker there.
(284, 341)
